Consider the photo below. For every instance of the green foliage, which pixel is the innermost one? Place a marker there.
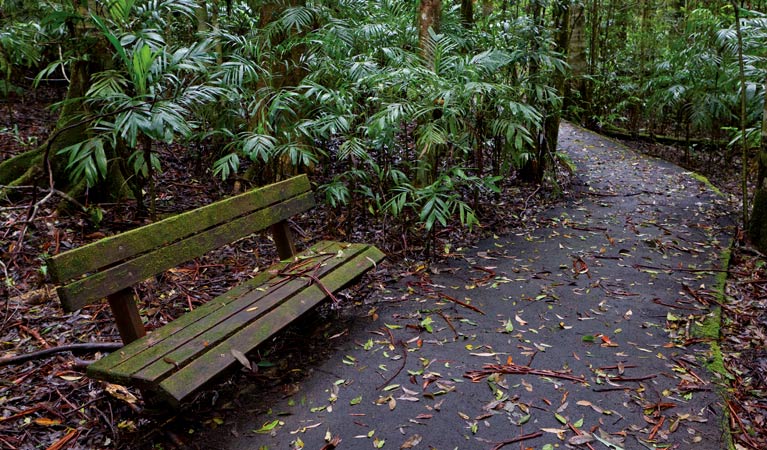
(675, 71)
(405, 135)
(148, 95)
(19, 47)
(412, 134)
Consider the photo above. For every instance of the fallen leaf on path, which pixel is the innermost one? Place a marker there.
(332, 443)
(46, 422)
(411, 442)
(121, 393)
(585, 438)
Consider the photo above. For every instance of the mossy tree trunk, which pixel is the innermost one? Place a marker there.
(429, 16)
(31, 167)
(286, 71)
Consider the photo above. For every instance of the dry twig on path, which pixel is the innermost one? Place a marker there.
(458, 302)
(521, 438)
(515, 369)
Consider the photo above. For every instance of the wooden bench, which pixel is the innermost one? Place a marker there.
(175, 360)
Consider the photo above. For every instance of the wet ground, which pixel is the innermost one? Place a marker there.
(587, 328)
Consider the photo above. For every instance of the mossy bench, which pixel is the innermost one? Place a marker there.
(174, 361)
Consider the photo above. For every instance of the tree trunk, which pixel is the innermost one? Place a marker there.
(487, 8)
(546, 145)
(743, 118)
(758, 225)
(201, 14)
(588, 90)
(30, 168)
(576, 94)
(562, 36)
(467, 13)
(429, 15)
(285, 72)
(535, 166)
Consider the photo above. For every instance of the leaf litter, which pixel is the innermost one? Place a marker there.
(79, 401)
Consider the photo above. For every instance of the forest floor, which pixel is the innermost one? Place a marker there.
(600, 230)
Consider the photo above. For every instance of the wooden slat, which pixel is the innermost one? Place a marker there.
(108, 251)
(216, 360)
(215, 329)
(120, 365)
(78, 294)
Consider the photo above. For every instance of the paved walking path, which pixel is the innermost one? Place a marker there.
(578, 330)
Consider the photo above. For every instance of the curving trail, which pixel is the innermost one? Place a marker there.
(584, 329)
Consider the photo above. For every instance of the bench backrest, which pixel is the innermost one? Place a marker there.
(99, 269)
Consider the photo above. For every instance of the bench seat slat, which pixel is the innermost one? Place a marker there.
(207, 366)
(111, 250)
(188, 335)
(214, 330)
(78, 294)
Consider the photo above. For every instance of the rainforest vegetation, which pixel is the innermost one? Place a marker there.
(416, 120)
(410, 111)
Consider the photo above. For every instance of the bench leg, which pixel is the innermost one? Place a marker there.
(126, 314)
(283, 240)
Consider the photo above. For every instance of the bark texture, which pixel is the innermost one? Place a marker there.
(429, 15)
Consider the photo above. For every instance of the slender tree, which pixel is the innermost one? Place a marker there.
(758, 223)
(429, 18)
(743, 116)
(467, 13)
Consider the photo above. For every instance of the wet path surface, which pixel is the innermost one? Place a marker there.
(576, 331)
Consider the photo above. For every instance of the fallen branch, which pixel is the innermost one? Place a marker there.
(694, 294)
(62, 443)
(583, 228)
(449, 322)
(579, 433)
(478, 375)
(404, 363)
(332, 444)
(655, 429)
(26, 412)
(621, 378)
(658, 301)
(74, 348)
(490, 275)
(523, 437)
(735, 419)
(458, 302)
(680, 269)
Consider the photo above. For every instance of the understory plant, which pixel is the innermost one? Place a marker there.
(399, 127)
(398, 132)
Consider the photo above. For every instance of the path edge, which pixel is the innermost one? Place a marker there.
(710, 329)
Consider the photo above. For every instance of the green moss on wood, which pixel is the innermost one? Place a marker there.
(148, 361)
(117, 248)
(220, 358)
